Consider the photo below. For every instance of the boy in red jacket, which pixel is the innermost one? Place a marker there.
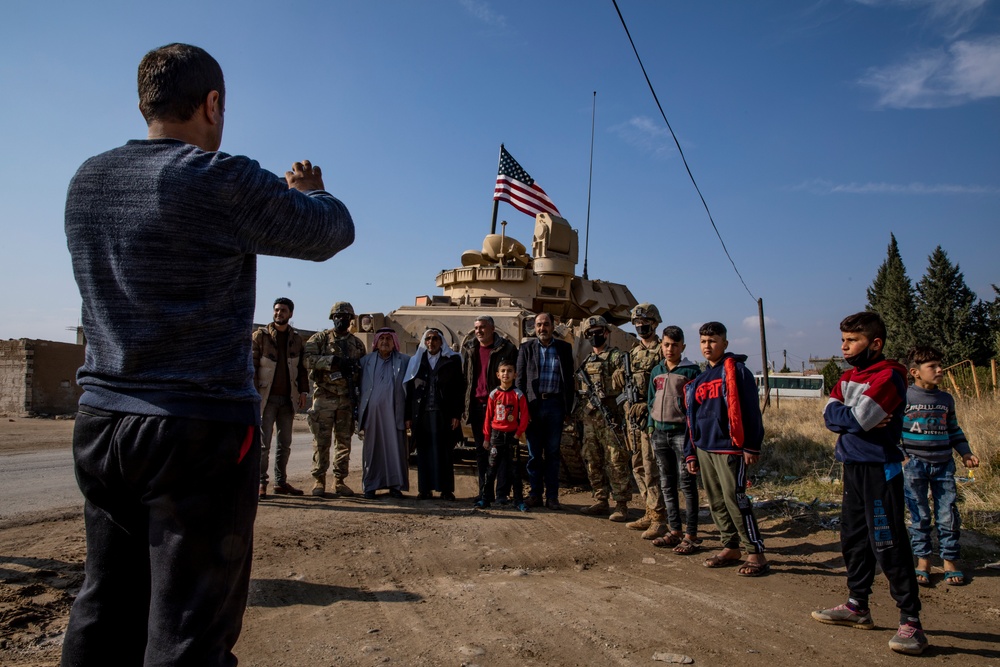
(506, 421)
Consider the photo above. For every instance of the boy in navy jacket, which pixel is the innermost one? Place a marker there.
(866, 411)
(725, 432)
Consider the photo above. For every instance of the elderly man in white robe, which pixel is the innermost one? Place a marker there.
(382, 414)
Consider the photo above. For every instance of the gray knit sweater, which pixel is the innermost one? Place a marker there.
(164, 238)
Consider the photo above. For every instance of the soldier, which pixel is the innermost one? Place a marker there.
(608, 462)
(332, 359)
(643, 357)
(280, 378)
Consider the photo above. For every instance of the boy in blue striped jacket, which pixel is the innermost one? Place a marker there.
(930, 433)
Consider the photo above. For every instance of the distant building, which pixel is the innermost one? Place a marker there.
(819, 362)
(38, 377)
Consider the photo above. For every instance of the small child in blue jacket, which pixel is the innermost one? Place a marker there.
(931, 436)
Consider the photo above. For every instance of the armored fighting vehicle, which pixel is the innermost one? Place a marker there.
(506, 282)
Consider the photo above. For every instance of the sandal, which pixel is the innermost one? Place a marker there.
(749, 569)
(954, 578)
(923, 578)
(687, 547)
(668, 540)
(718, 560)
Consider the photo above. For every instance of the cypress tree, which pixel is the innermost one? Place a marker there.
(949, 316)
(891, 296)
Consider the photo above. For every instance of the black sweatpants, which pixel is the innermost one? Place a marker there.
(873, 530)
(170, 506)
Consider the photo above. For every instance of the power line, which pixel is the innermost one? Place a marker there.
(679, 150)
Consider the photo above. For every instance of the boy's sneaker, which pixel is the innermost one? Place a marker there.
(522, 506)
(909, 639)
(482, 504)
(845, 615)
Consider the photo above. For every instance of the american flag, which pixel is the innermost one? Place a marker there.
(517, 188)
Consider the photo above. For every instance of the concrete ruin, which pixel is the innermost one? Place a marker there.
(38, 377)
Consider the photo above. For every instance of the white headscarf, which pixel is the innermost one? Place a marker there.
(414, 365)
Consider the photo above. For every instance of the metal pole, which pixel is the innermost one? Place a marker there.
(496, 202)
(763, 353)
(590, 183)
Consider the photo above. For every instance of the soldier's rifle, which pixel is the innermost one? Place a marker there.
(594, 397)
(632, 397)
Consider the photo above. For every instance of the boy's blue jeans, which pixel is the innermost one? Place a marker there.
(939, 479)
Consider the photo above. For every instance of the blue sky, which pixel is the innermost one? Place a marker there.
(814, 129)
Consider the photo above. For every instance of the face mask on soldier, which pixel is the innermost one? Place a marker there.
(341, 323)
(643, 330)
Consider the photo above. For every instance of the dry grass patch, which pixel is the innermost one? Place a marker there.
(797, 459)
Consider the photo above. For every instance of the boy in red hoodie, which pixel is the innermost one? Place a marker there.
(866, 411)
(505, 424)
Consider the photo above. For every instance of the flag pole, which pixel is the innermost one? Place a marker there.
(590, 182)
(496, 202)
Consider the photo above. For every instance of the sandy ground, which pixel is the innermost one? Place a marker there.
(356, 582)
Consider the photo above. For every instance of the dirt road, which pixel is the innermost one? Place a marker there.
(407, 582)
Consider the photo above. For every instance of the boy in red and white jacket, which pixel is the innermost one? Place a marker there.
(505, 423)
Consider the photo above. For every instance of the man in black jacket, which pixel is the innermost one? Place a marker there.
(545, 376)
(481, 359)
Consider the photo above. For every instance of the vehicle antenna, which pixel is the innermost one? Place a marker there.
(590, 182)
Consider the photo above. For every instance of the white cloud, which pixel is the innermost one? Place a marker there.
(646, 134)
(965, 71)
(481, 10)
(825, 187)
(753, 323)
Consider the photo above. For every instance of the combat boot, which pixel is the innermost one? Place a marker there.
(620, 515)
(319, 487)
(642, 523)
(599, 508)
(341, 489)
(656, 529)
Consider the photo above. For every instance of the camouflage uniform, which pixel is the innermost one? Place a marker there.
(607, 462)
(332, 361)
(647, 474)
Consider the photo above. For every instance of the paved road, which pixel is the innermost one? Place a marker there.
(43, 481)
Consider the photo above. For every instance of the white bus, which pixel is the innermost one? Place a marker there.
(791, 385)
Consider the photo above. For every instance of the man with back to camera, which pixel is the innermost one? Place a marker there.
(163, 234)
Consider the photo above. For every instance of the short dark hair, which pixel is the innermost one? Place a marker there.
(674, 333)
(285, 301)
(867, 322)
(506, 362)
(713, 329)
(175, 79)
(548, 315)
(921, 354)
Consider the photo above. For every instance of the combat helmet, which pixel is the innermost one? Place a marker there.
(646, 311)
(597, 321)
(342, 307)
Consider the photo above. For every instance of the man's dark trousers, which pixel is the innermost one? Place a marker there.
(544, 437)
(170, 506)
